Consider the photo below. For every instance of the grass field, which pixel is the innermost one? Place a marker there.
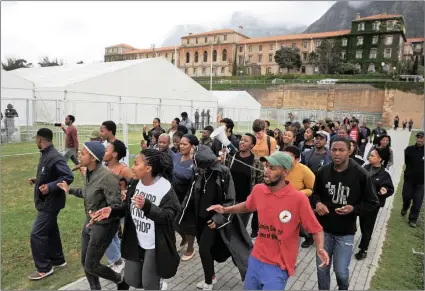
(399, 268)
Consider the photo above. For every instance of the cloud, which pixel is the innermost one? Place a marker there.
(358, 4)
(81, 30)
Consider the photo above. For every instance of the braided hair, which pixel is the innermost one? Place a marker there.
(161, 163)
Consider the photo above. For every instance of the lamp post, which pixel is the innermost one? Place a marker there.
(394, 72)
(153, 50)
(382, 65)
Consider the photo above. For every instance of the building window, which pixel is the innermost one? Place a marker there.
(166, 55)
(318, 43)
(359, 54)
(304, 56)
(376, 25)
(225, 37)
(375, 39)
(389, 40)
(387, 53)
(222, 70)
(294, 45)
(260, 48)
(250, 49)
(203, 71)
(196, 57)
(358, 67)
(206, 39)
(224, 56)
(303, 69)
(240, 49)
(360, 26)
(372, 53)
(196, 40)
(260, 58)
(214, 56)
(187, 41)
(240, 60)
(371, 68)
(343, 55)
(344, 42)
(270, 58)
(205, 57)
(215, 38)
(359, 40)
(271, 46)
(187, 58)
(269, 70)
(390, 24)
(305, 45)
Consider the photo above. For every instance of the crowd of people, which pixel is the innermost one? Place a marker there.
(305, 180)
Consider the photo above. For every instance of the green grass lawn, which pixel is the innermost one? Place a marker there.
(399, 268)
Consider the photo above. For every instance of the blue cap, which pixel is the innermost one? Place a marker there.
(96, 149)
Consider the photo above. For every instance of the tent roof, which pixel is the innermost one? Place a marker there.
(10, 80)
(237, 99)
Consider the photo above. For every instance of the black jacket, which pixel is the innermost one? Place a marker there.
(234, 241)
(334, 189)
(217, 146)
(167, 258)
(382, 179)
(52, 169)
(414, 160)
(376, 134)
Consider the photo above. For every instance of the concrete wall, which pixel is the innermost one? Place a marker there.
(405, 105)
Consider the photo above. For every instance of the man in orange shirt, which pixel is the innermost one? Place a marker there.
(281, 208)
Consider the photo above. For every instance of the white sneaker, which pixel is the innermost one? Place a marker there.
(118, 268)
(163, 285)
(202, 285)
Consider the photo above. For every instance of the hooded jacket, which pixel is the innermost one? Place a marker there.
(353, 186)
(382, 179)
(233, 241)
(148, 137)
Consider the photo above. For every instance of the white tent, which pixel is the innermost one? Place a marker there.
(238, 105)
(129, 91)
(20, 93)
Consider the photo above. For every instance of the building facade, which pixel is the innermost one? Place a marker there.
(374, 44)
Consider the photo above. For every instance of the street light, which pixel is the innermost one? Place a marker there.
(394, 71)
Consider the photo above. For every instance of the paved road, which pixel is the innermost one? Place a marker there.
(305, 278)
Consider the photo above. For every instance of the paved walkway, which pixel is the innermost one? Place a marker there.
(305, 278)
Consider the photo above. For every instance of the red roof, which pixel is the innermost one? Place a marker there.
(159, 49)
(416, 39)
(379, 16)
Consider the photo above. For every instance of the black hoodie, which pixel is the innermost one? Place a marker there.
(354, 187)
(382, 179)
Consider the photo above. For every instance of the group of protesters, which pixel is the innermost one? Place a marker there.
(306, 180)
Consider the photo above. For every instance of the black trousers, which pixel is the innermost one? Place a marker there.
(413, 195)
(367, 223)
(46, 245)
(206, 238)
(254, 222)
(94, 242)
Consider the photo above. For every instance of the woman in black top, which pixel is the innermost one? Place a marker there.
(384, 188)
(147, 135)
(353, 153)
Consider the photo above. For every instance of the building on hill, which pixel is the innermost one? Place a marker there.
(374, 44)
(414, 47)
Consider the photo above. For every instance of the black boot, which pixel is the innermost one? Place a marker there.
(308, 242)
(361, 255)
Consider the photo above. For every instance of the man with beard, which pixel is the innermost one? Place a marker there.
(281, 209)
(206, 139)
(71, 139)
(319, 156)
(342, 191)
(49, 199)
(164, 142)
(376, 133)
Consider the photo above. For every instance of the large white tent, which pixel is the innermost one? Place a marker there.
(133, 91)
(238, 105)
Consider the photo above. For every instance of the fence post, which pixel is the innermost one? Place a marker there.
(159, 108)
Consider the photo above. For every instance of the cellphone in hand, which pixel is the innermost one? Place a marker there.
(58, 124)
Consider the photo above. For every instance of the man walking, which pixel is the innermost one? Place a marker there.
(319, 156)
(71, 140)
(49, 199)
(342, 191)
(413, 187)
(281, 209)
(377, 133)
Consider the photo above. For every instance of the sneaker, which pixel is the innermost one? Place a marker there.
(123, 286)
(187, 258)
(412, 224)
(163, 285)
(403, 212)
(308, 242)
(361, 255)
(40, 275)
(202, 285)
(60, 266)
(118, 266)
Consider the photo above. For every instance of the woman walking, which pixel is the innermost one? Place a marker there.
(354, 149)
(183, 172)
(385, 142)
(150, 206)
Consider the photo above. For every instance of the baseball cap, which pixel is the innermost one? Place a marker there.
(95, 134)
(322, 134)
(306, 120)
(420, 134)
(288, 123)
(209, 128)
(279, 159)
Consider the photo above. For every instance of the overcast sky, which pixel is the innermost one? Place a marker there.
(75, 31)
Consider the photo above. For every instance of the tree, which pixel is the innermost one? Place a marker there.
(329, 53)
(80, 62)
(345, 68)
(415, 66)
(288, 58)
(46, 62)
(15, 63)
(405, 67)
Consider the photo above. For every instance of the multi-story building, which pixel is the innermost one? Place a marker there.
(374, 44)
(414, 47)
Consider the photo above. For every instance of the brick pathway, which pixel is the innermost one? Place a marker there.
(305, 278)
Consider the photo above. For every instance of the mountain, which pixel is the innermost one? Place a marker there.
(252, 27)
(340, 15)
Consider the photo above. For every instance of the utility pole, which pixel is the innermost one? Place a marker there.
(153, 50)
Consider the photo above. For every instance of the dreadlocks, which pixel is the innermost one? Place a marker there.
(161, 163)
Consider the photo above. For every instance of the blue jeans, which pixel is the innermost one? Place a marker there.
(261, 276)
(340, 249)
(113, 252)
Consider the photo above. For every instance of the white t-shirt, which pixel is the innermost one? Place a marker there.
(123, 160)
(145, 227)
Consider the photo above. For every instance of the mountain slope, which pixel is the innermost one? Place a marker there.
(340, 15)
